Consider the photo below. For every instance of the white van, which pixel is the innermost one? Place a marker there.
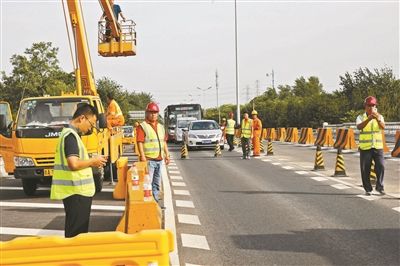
(182, 123)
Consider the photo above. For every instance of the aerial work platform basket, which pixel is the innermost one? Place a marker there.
(113, 46)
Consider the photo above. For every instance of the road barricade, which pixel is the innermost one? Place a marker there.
(324, 137)
(149, 247)
(345, 139)
(281, 134)
(139, 214)
(120, 188)
(385, 147)
(292, 135)
(396, 149)
(306, 136)
(264, 133)
(270, 134)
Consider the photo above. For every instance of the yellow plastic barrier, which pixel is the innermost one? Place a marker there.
(281, 135)
(270, 134)
(396, 149)
(324, 137)
(385, 147)
(120, 188)
(150, 247)
(292, 134)
(116, 144)
(264, 133)
(306, 136)
(139, 214)
(345, 139)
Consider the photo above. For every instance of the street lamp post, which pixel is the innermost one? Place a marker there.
(204, 92)
(272, 77)
(237, 77)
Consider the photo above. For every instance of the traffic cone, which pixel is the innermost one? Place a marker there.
(340, 169)
(262, 146)
(217, 150)
(270, 150)
(239, 142)
(184, 151)
(319, 160)
(372, 174)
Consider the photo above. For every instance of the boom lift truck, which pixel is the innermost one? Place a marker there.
(27, 145)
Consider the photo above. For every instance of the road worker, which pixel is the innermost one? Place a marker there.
(230, 131)
(246, 135)
(223, 129)
(114, 114)
(73, 177)
(152, 144)
(257, 130)
(370, 125)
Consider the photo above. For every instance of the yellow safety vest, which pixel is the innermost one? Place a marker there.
(154, 141)
(230, 127)
(370, 135)
(65, 181)
(246, 128)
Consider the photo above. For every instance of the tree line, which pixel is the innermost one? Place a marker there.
(37, 72)
(307, 104)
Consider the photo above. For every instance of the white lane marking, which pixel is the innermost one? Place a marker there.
(176, 177)
(372, 197)
(301, 172)
(169, 216)
(190, 264)
(30, 232)
(174, 172)
(184, 203)
(178, 184)
(47, 189)
(172, 164)
(57, 206)
(266, 160)
(318, 178)
(188, 219)
(276, 163)
(287, 167)
(182, 192)
(345, 178)
(340, 186)
(172, 167)
(257, 157)
(194, 241)
(396, 209)
(283, 159)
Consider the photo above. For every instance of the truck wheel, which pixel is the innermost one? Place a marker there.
(29, 185)
(98, 182)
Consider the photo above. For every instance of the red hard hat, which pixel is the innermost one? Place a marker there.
(152, 107)
(370, 100)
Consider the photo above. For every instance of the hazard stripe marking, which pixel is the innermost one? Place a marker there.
(182, 192)
(184, 203)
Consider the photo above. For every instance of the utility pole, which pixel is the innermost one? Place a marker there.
(247, 93)
(257, 87)
(237, 70)
(272, 77)
(216, 86)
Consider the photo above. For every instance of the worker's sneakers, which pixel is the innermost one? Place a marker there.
(367, 193)
(381, 192)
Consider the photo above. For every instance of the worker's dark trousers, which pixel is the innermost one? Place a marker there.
(245, 147)
(229, 139)
(77, 213)
(366, 157)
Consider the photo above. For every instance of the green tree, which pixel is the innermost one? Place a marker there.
(35, 73)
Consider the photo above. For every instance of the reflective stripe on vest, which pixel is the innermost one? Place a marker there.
(246, 128)
(65, 181)
(370, 135)
(154, 141)
(230, 127)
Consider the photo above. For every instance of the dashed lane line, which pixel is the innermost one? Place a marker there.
(301, 172)
(182, 192)
(276, 163)
(57, 206)
(194, 241)
(188, 219)
(176, 177)
(340, 186)
(396, 209)
(184, 203)
(370, 198)
(287, 167)
(266, 160)
(319, 178)
(174, 172)
(30, 232)
(178, 184)
(172, 167)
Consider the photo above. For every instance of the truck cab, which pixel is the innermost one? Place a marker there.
(28, 145)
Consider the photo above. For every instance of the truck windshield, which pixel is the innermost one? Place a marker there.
(47, 112)
(183, 123)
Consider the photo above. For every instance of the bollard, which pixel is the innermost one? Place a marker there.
(340, 169)
(184, 151)
(319, 160)
(217, 150)
(262, 146)
(372, 173)
(270, 150)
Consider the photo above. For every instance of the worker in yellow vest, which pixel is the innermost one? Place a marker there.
(230, 131)
(73, 177)
(370, 125)
(257, 129)
(152, 144)
(246, 135)
(115, 116)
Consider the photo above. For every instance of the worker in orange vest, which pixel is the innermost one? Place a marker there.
(257, 129)
(114, 114)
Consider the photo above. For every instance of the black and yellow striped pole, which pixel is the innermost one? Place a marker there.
(372, 174)
(184, 151)
(270, 150)
(319, 159)
(262, 146)
(340, 169)
(217, 150)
